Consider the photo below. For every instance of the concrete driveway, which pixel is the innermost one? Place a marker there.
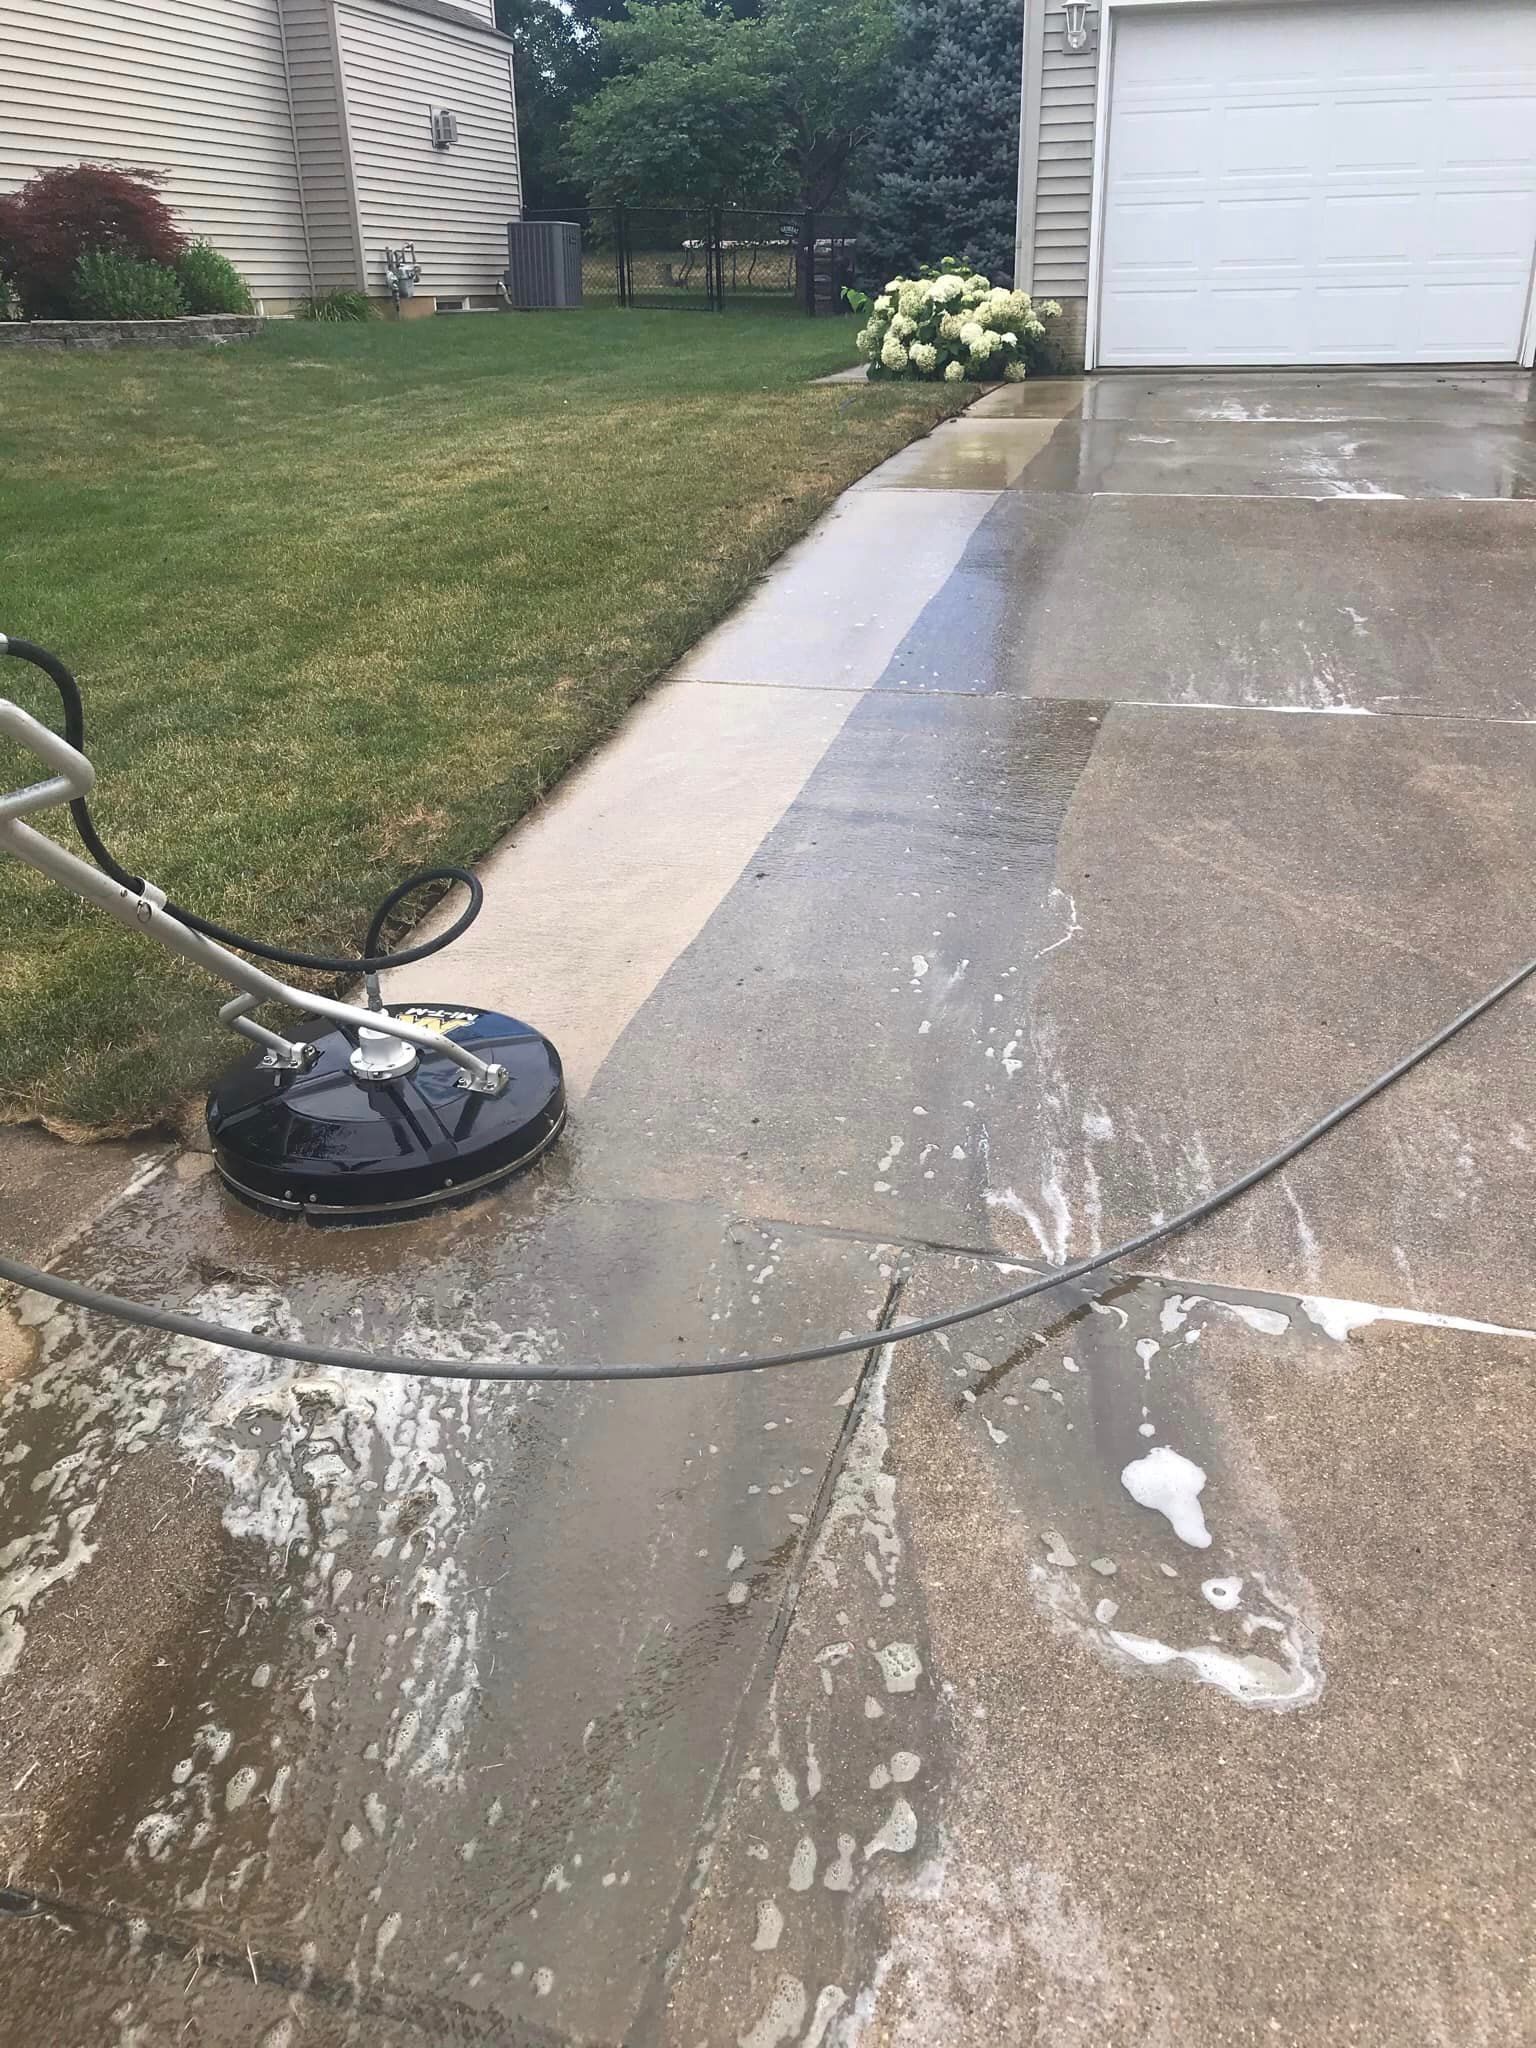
(1111, 783)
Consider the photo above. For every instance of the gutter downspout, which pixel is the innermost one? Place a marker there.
(298, 157)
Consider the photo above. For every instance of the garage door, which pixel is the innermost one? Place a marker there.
(1320, 184)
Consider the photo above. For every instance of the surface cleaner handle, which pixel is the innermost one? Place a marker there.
(73, 776)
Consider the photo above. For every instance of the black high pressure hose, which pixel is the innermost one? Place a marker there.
(371, 959)
(146, 1316)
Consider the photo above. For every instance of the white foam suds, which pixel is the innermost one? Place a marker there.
(1170, 1484)
(1223, 1594)
(898, 1835)
(1337, 1318)
(829, 2004)
(1269, 1322)
(1256, 1681)
(782, 2019)
(1283, 710)
(802, 1865)
(770, 1925)
(900, 1666)
(838, 1875)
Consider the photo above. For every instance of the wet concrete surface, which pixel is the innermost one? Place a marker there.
(1130, 1787)
(866, 1703)
(1219, 458)
(1448, 398)
(53, 1188)
(455, 1646)
(1321, 606)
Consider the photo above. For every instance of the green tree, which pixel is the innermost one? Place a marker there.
(556, 66)
(723, 106)
(939, 176)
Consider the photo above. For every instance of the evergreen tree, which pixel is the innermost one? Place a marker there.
(938, 175)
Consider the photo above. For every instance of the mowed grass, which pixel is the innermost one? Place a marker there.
(346, 602)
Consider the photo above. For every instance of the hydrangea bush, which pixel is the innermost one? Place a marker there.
(950, 323)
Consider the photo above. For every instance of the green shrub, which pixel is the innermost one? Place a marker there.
(110, 285)
(951, 323)
(47, 226)
(339, 305)
(210, 283)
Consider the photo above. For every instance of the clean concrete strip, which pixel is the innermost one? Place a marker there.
(590, 902)
(839, 603)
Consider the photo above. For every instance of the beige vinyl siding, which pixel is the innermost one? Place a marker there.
(194, 88)
(1064, 173)
(454, 204)
(319, 120)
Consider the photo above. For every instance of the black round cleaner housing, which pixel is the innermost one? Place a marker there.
(338, 1143)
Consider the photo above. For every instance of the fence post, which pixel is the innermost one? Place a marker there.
(714, 260)
(810, 264)
(621, 254)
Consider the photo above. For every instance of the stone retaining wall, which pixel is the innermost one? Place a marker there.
(195, 331)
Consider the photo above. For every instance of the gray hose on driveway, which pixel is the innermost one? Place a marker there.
(148, 1317)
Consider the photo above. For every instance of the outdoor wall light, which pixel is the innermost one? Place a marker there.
(1078, 33)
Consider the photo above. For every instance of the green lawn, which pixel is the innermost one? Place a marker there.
(345, 601)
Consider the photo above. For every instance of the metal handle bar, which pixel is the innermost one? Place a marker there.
(75, 777)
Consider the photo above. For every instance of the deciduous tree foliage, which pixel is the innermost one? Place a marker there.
(939, 174)
(723, 106)
(555, 66)
(51, 221)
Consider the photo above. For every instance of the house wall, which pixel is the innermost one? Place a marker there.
(194, 88)
(397, 66)
(1064, 171)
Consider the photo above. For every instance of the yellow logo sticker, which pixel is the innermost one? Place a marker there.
(431, 1018)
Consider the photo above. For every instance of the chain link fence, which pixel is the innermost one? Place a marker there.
(766, 258)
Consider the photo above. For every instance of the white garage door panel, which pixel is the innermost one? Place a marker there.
(1320, 184)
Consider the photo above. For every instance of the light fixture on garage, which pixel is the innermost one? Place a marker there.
(1078, 34)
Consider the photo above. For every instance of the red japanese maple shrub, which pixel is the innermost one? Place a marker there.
(48, 224)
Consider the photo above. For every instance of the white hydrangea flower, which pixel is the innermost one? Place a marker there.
(925, 357)
(950, 325)
(946, 288)
(883, 303)
(902, 326)
(1015, 373)
(910, 299)
(892, 355)
(1010, 341)
(970, 333)
(861, 341)
(954, 373)
(977, 283)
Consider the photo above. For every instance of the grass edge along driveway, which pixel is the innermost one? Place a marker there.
(346, 602)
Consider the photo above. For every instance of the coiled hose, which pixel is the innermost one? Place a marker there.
(371, 959)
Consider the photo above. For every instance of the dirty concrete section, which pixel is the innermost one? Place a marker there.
(1146, 1668)
(1226, 1756)
(475, 1652)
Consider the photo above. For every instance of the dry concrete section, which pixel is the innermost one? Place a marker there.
(1144, 1666)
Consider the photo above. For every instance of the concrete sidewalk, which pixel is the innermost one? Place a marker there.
(1111, 782)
